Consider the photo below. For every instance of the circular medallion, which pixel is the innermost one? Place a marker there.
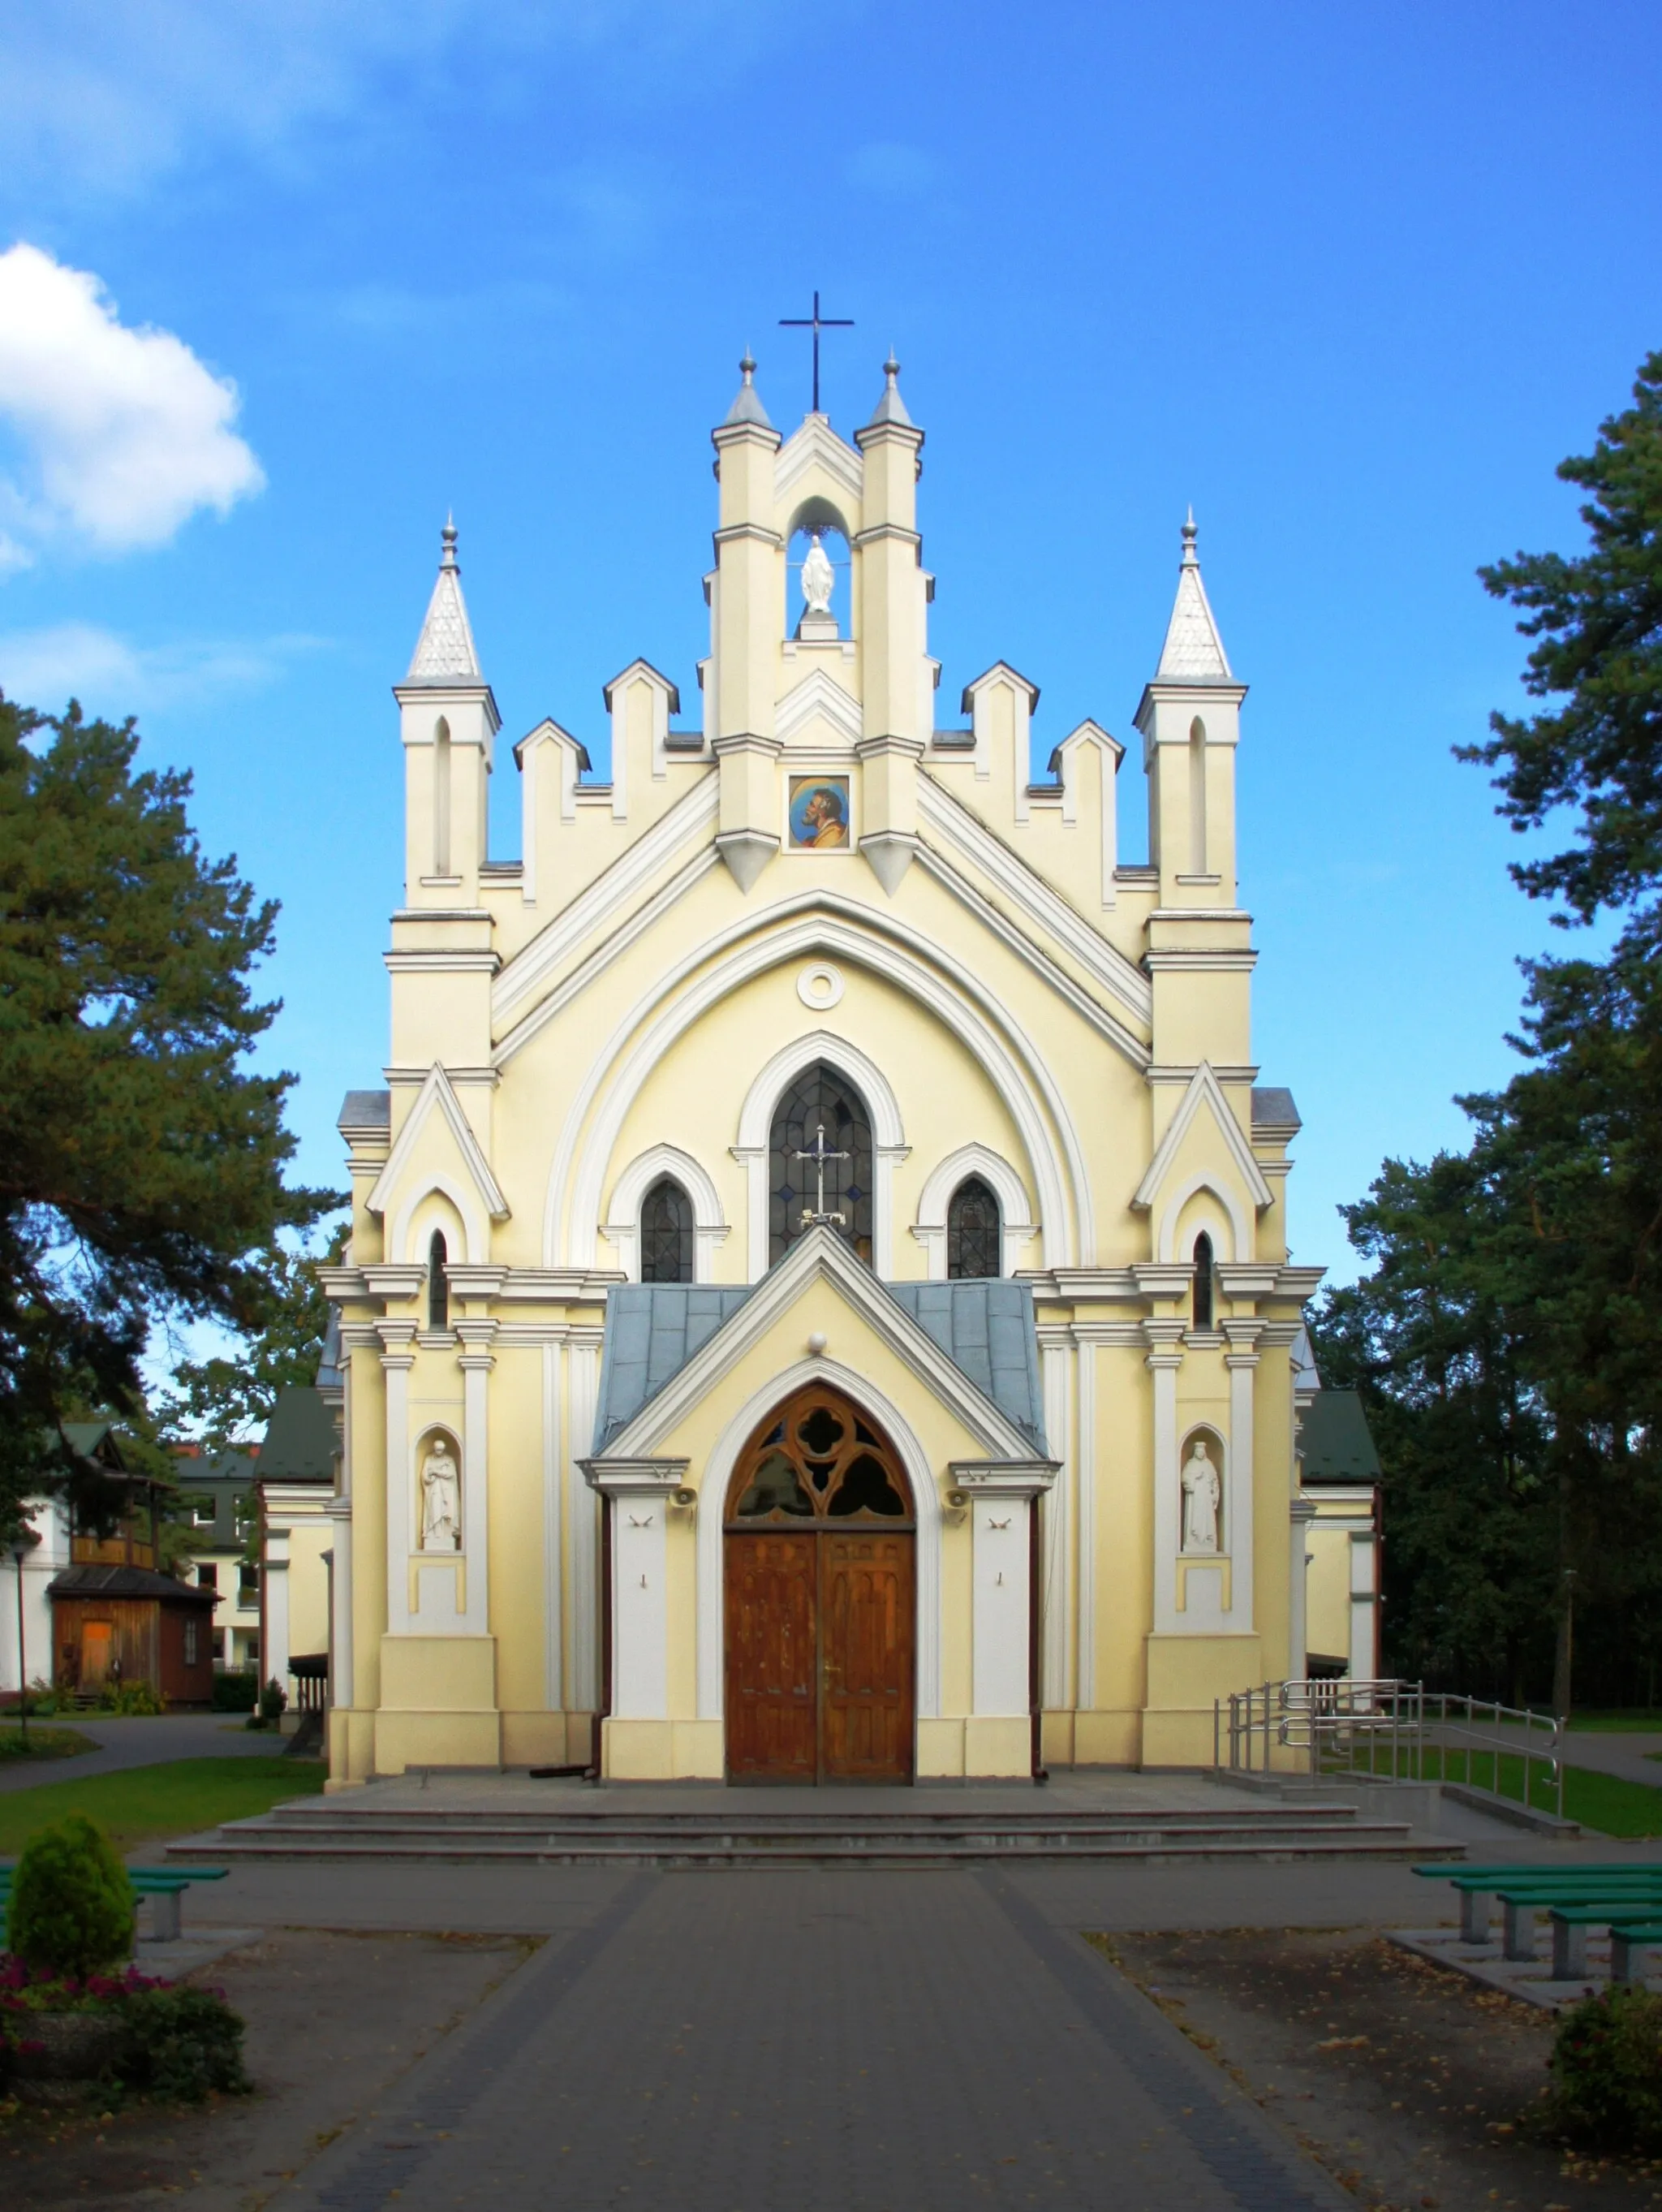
(819, 987)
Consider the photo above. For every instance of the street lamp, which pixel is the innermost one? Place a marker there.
(19, 1548)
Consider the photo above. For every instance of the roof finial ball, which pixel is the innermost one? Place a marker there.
(447, 538)
(747, 366)
(891, 367)
(1191, 558)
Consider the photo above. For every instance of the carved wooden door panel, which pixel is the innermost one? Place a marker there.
(772, 1657)
(819, 1556)
(866, 1644)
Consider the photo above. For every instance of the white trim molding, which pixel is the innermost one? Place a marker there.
(1015, 1214)
(622, 1226)
(436, 1095)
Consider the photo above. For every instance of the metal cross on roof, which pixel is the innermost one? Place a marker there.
(816, 323)
(819, 1155)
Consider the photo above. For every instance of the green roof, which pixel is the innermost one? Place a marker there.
(299, 1438)
(1334, 1440)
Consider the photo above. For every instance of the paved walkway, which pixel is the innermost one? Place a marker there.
(830, 2043)
(142, 1742)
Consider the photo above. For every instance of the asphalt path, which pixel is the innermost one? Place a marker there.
(141, 1741)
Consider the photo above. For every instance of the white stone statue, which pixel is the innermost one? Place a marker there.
(817, 578)
(441, 1485)
(1201, 1494)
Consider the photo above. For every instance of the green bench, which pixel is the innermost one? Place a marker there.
(165, 1887)
(1629, 1940)
(1476, 1885)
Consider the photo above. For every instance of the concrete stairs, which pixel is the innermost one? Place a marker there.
(914, 1828)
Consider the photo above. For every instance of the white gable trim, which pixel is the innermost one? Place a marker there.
(691, 816)
(964, 833)
(817, 693)
(623, 1223)
(436, 1095)
(1016, 1222)
(1204, 1089)
(817, 441)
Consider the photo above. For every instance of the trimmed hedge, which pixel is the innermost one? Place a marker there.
(71, 1909)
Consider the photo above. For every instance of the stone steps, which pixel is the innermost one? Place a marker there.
(822, 1837)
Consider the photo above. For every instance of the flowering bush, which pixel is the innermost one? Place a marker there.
(179, 2044)
(1607, 2069)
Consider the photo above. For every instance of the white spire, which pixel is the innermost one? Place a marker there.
(748, 407)
(1193, 652)
(444, 651)
(891, 408)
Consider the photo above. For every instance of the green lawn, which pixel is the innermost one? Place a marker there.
(147, 1803)
(1602, 1802)
(42, 1742)
(1630, 1719)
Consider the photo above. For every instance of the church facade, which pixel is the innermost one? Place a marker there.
(817, 1305)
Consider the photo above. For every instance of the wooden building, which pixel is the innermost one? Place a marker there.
(117, 1618)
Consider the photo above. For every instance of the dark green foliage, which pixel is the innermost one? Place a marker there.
(235, 1692)
(272, 1699)
(183, 2045)
(71, 1909)
(1507, 1341)
(1607, 2071)
(1599, 620)
(140, 1164)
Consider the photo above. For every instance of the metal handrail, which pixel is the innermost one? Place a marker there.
(1341, 1726)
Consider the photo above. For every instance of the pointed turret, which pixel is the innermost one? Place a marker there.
(448, 722)
(1190, 718)
(1193, 652)
(891, 408)
(746, 405)
(445, 651)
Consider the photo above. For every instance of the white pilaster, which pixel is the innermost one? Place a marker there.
(1364, 1607)
(1055, 1578)
(476, 1363)
(396, 1364)
(340, 1603)
(1001, 1503)
(1163, 1361)
(274, 1656)
(1242, 1360)
(553, 1514)
(1300, 1515)
(638, 1494)
(582, 1382)
(1085, 1461)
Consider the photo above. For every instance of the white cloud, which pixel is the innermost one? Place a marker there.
(109, 675)
(124, 433)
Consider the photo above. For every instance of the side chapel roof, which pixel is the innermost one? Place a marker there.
(986, 1327)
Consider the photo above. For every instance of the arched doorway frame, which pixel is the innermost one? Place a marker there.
(861, 1394)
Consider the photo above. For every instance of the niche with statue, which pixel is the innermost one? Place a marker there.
(1202, 1481)
(439, 1487)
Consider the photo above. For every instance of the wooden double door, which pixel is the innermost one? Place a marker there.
(820, 1576)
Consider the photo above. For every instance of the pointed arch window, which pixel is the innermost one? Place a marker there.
(820, 1098)
(666, 1233)
(438, 1282)
(1203, 1297)
(974, 1232)
(441, 796)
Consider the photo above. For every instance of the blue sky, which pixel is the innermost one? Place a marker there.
(1350, 280)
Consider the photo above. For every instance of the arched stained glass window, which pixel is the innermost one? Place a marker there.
(1204, 1283)
(666, 1234)
(975, 1236)
(820, 1099)
(438, 1282)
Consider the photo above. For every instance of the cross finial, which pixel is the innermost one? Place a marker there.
(816, 323)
